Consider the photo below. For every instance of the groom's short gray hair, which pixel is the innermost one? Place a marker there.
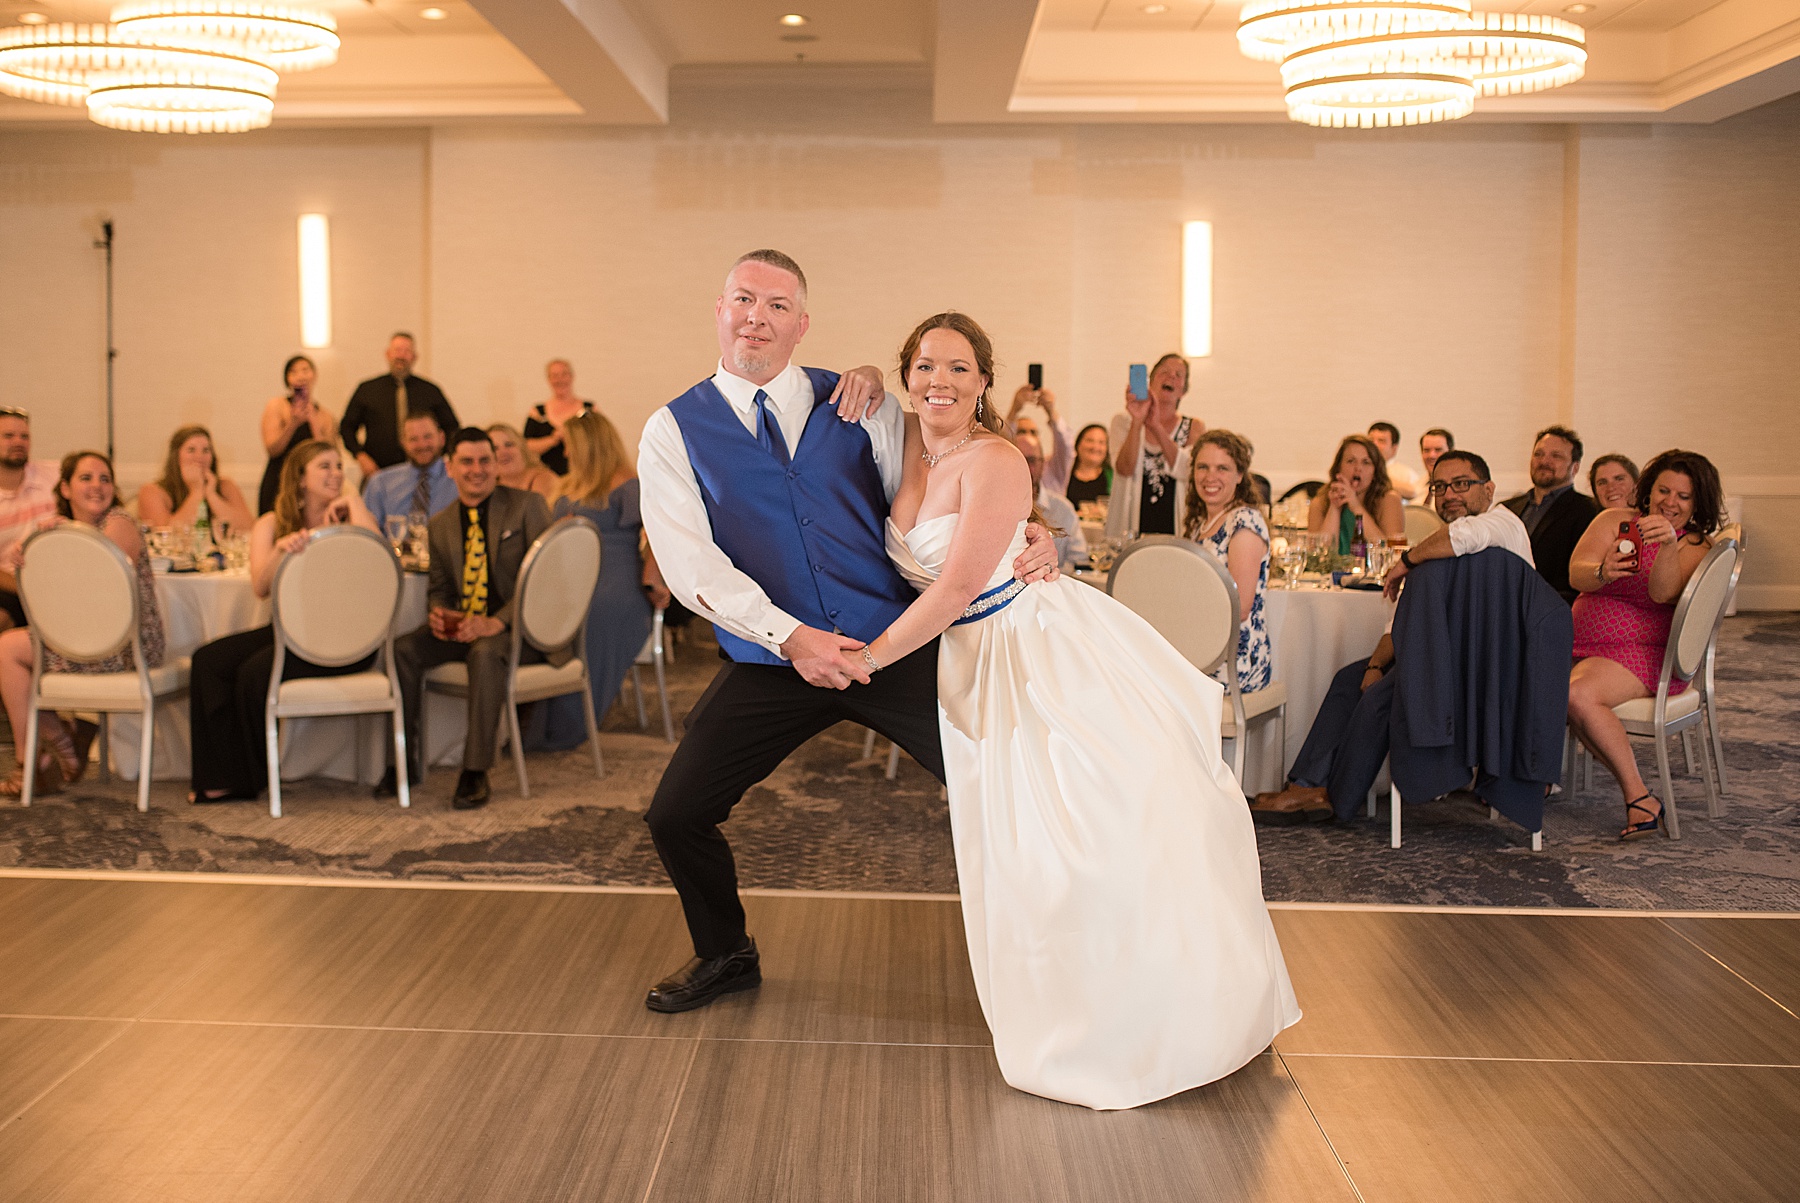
(774, 258)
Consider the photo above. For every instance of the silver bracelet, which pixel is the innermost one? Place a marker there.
(874, 667)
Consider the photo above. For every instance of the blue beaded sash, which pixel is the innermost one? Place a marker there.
(991, 602)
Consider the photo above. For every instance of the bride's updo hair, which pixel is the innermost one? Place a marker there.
(983, 346)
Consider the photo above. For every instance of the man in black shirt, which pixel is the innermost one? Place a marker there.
(373, 419)
(1554, 514)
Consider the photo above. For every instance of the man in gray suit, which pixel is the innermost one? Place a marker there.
(477, 547)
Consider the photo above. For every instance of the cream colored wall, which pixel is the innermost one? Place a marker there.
(1425, 277)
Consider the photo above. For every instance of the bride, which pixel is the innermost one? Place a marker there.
(1111, 892)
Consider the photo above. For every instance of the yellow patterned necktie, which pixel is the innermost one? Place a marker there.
(475, 576)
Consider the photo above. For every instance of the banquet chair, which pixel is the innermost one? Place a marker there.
(653, 654)
(869, 757)
(80, 595)
(1693, 638)
(1309, 487)
(334, 605)
(1188, 596)
(1421, 521)
(556, 586)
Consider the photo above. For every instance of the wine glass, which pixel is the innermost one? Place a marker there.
(396, 527)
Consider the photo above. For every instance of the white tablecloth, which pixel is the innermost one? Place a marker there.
(1314, 633)
(198, 608)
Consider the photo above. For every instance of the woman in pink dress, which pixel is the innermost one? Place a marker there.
(1631, 565)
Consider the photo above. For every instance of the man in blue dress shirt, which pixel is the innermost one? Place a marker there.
(418, 488)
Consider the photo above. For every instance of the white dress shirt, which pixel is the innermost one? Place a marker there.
(696, 570)
(1406, 481)
(1495, 526)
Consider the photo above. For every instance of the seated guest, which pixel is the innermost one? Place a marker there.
(420, 487)
(85, 494)
(1149, 493)
(1613, 481)
(1553, 512)
(190, 479)
(1627, 604)
(229, 680)
(477, 548)
(1224, 516)
(518, 468)
(1343, 753)
(1059, 448)
(544, 424)
(1357, 491)
(288, 420)
(380, 405)
(1401, 478)
(602, 486)
(1433, 443)
(1090, 480)
(27, 501)
(1071, 544)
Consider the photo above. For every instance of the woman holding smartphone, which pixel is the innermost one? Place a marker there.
(1631, 566)
(1150, 479)
(289, 420)
(229, 681)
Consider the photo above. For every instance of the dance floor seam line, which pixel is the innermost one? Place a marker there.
(1547, 1060)
(524, 887)
(662, 1146)
(1318, 1124)
(1711, 956)
(74, 1069)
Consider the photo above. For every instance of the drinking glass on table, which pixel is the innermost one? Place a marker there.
(397, 529)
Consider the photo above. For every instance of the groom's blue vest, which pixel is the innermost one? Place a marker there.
(812, 534)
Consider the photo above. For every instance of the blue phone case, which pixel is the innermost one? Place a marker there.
(1140, 381)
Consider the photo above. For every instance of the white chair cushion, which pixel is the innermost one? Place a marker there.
(108, 691)
(1271, 697)
(536, 677)
(1643, 710)
(352, 689)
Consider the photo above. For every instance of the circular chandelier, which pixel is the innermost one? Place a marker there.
(168, 67)
(1368, 63)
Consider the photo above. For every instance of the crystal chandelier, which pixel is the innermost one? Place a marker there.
(194, 68)
(1366, 63)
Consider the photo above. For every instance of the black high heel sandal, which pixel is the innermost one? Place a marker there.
(1653, 823)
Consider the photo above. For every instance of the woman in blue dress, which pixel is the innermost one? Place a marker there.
(1224, 516)
(602, 486)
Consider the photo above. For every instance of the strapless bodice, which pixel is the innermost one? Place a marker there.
(920, 553)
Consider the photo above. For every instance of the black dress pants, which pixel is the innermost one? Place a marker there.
(748, 721)
(227, 692)
(1348, 741)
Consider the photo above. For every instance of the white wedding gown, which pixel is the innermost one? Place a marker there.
(1111, 891)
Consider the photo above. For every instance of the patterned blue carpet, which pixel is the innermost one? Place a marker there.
(825, 823)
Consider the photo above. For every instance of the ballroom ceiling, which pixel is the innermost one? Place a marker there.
(610, 61)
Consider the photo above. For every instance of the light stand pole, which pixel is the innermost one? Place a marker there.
(105, 243)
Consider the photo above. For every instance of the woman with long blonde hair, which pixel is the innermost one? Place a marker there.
(229, 678)
(602, 487)
(519, 467)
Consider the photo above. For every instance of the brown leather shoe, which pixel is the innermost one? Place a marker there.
(1295, 804)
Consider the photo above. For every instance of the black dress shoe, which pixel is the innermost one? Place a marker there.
(471, 790)
(700, 981)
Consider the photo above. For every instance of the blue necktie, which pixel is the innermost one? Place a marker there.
(767, 432)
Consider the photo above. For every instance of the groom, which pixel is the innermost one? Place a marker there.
(765, 493)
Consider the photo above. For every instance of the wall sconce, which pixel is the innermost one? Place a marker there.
(1196, 288)
(315, 280)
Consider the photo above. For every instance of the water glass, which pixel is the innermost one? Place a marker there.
(397, 529)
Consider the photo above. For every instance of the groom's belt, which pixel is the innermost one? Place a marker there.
(993, 600)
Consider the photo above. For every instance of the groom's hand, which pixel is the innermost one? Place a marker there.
(824, 659)
(859, 393)
(1038, 561)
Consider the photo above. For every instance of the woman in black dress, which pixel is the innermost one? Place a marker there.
(544, 424)
(289, 420)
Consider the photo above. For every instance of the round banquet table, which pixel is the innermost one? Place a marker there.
(199, 607)
(1314, 633)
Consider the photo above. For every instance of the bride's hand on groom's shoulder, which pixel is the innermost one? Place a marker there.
(859, 393)
(1038, 561)
(824, 659)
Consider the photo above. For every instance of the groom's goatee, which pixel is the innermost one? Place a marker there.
(745, 362)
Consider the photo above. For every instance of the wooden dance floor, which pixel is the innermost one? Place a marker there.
(175, 1040)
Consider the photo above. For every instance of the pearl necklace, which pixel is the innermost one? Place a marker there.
(931, 461)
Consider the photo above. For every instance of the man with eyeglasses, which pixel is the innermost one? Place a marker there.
(27, 500)
(1343, 753)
